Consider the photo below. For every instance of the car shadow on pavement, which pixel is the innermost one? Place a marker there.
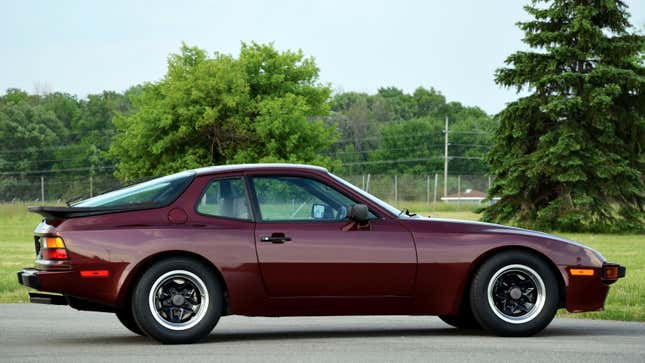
(286, 334)
(237, 336)
(569, 331)
(335, 334)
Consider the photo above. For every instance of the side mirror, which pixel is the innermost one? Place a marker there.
(358, 212)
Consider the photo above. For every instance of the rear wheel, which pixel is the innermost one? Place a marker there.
(178, 300)
(514, 293)
(125, 317)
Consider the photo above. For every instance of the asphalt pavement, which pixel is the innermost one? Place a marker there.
(41, 333)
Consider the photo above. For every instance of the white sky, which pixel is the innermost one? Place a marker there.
(83, 47)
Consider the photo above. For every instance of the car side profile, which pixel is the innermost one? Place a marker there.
(172, 255)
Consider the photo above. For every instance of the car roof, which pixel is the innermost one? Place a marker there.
(244, 167)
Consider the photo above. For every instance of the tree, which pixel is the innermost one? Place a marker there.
(91, 132)
(568, 156)
(396, 132)
(27, 127)
(417, 143)
(264, 106)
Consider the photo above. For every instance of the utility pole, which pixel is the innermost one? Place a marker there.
(445, 160)
(396, 188)
(42, 189)
(436, 182)
(367, 183)
(428, 190)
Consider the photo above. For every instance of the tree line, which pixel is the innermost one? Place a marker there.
(264, 106)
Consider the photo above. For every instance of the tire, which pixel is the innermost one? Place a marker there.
(514, 293)
(125, 317)
(465, 320)
(177, 301)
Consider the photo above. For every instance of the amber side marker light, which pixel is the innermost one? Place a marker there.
(610, 272)
(582, 272)
(53, 248)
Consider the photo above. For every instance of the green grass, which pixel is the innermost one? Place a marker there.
(626, 299)
(16, 249)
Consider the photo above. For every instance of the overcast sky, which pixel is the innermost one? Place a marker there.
(83, 47)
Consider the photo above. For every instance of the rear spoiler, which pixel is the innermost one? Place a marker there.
(60, 213)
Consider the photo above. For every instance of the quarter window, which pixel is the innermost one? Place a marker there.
(225, 198)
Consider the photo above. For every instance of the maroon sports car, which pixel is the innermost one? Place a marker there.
(172, 255)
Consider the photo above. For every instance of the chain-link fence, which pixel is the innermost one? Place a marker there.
(394, 188)
(423, 188)
(53, 187)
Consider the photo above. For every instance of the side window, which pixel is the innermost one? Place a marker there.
(287, 198)
(225, 198)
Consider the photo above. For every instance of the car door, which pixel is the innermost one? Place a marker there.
(307, 247)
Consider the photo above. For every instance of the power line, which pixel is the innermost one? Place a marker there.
(40, 160)
(16, 172)
(31, 149)
(380, 137)
(425, 147)
(398, 136)
(409, 160)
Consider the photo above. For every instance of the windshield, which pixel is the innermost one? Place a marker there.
(367, 195)
(158, 191)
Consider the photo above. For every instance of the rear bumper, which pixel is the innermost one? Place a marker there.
(47, 281)
(29, 278)
(51, 299)
(50, 281)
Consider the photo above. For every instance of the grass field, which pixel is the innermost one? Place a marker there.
(626, 298)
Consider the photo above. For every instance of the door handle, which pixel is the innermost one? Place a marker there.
(275, 238)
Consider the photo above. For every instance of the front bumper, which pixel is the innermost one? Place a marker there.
(588, 292)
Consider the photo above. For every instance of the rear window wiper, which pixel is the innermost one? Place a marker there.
(74, 199)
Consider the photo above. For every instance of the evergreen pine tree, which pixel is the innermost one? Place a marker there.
(568, 156)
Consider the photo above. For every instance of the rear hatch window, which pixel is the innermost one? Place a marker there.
(155, 192)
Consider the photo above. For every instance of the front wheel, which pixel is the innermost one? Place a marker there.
(461, 321)
(177, 301)
(514, 293)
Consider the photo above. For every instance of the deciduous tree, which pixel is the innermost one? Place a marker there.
(264, 106)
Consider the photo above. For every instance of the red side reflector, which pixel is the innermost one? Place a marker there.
(95, 273)
(54, 254)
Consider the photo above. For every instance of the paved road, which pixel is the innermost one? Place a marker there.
(55, 333)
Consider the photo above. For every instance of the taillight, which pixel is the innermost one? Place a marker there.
(53, 248)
